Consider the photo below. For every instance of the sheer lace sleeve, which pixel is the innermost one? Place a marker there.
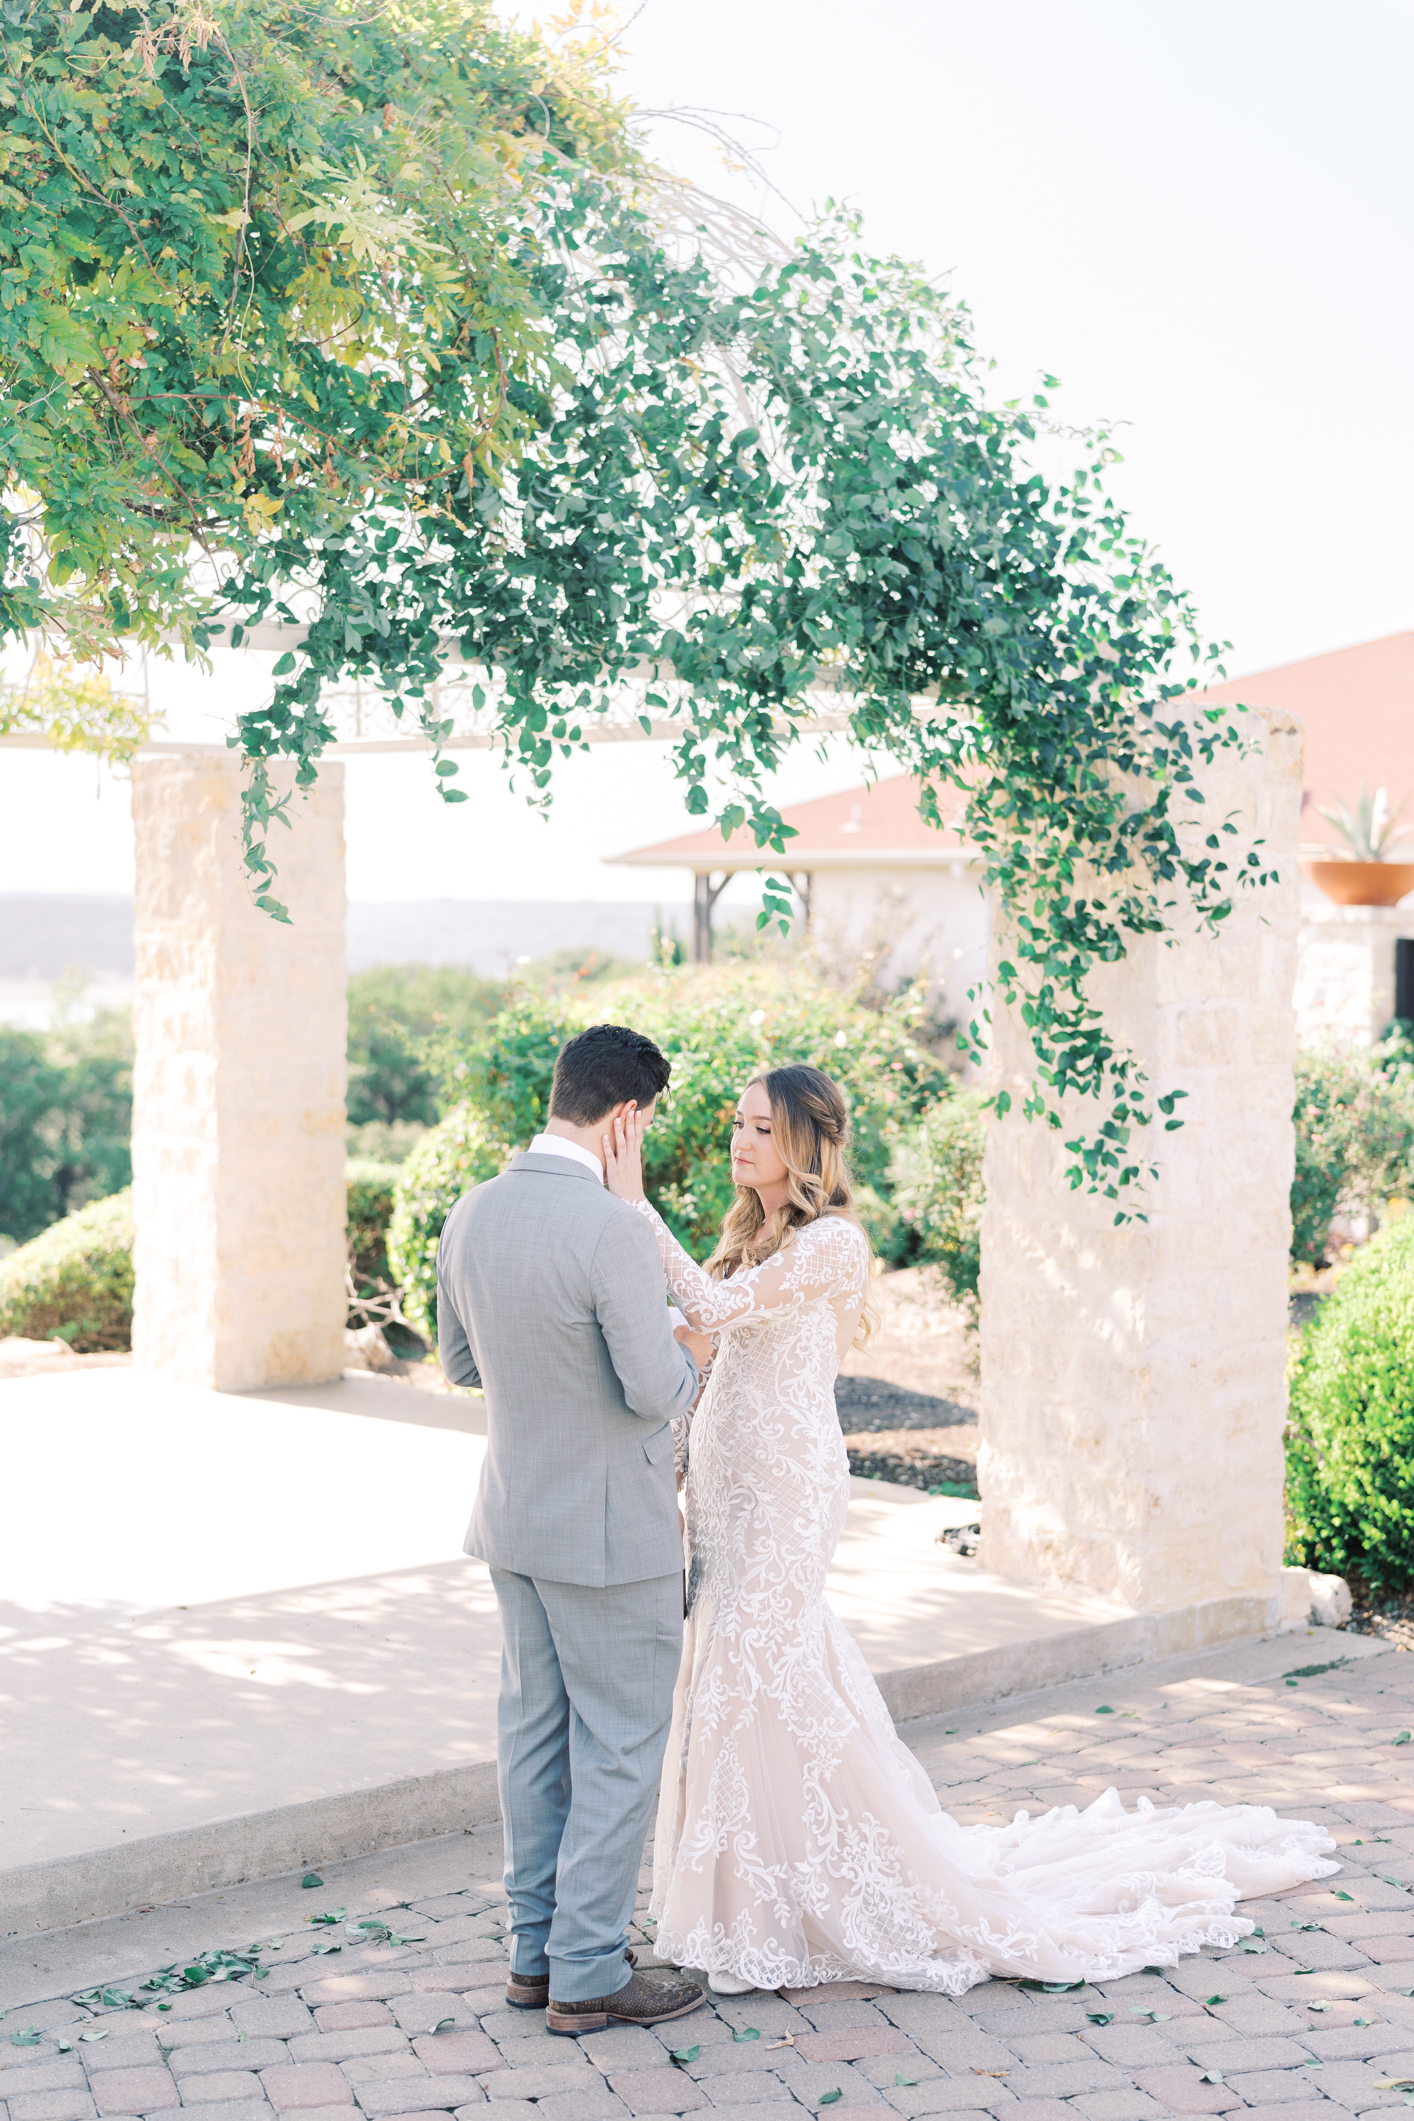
(828, 1258)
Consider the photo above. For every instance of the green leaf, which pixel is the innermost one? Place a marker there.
(1402, 1739)
(1213, 2000)
(1100, 2017)
(28, 2038)
(829, 2098)
(748, 2032)
(1104, 1710)
(1337, 1895)
(1210, 2076)
(444, 2025)
(899, 2078)
(686, 2054)
(95, 2036)
(309, 1880)
(282, 669)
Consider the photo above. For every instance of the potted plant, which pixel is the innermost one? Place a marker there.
(1367, 871)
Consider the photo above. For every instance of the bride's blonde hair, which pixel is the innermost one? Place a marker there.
(810, 1131)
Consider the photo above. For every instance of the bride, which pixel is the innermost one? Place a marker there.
(798, 1840)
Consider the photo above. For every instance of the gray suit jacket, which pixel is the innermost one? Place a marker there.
(551, 1297)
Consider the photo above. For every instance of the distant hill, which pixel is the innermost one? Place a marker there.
(42, 936)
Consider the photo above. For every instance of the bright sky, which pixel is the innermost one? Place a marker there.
(1197, 217)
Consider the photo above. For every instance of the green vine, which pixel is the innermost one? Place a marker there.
(377, 328)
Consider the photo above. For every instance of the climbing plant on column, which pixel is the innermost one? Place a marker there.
(382, 328)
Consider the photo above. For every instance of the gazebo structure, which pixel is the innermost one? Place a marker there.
(1133, 1376)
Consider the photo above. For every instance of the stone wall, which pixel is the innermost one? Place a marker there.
(1134, 1378)
(1345, 971)
(238, 1088)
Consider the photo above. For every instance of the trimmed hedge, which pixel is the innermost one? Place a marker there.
(74, 1282)
(1350, 1442)
(455, 1157)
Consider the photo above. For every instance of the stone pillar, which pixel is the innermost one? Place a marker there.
(1345, 972)
(238, 1087)
(1133, 1379)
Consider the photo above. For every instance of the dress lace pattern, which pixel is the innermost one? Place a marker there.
(798, 1840)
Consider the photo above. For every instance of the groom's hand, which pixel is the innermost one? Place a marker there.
(623, 1154)
(698, 1345)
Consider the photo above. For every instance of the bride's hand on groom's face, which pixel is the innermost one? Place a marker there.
(623, 1154)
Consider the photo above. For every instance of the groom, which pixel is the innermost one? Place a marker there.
(550, 1296)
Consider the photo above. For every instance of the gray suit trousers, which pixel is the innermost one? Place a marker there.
(587, 1678)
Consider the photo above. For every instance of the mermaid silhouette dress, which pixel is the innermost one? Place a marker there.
(798, 1840)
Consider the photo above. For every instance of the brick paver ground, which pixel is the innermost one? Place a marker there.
(1312, 2018)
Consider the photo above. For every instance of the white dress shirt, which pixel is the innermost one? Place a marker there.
(559, 1145)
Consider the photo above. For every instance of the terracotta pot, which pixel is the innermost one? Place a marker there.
(1362, 883)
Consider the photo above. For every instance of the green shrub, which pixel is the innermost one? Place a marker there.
(1354, 1143)
(937, 1175)
(75, 1281)
(368, 1191)
(1350, 1441)
(718, 1028)
(453, 1158)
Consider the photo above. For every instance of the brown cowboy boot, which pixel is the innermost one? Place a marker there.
(642, 2002)
(534, 1995)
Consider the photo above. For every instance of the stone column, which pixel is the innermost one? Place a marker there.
(238, 1087)
(1133, 1379)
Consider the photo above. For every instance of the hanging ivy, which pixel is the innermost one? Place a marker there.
(378, 329)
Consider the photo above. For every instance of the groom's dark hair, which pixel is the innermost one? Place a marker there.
(604, 1067)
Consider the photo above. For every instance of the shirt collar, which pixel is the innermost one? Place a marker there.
(557, 1145)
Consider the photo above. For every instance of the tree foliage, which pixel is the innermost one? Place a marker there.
(66, 1108)
(377, 326)
(394, 1010)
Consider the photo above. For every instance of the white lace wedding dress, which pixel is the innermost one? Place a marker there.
(798, 1840)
